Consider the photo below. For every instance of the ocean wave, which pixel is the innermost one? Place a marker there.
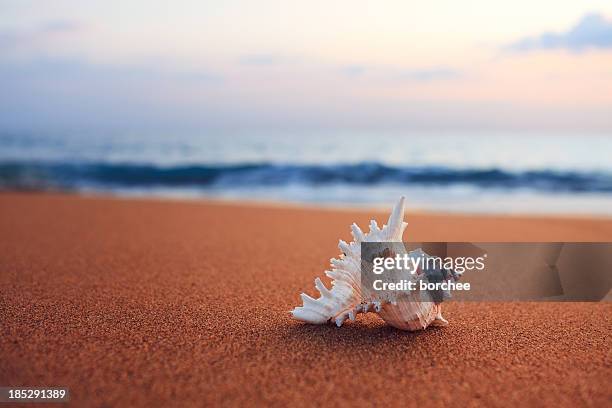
(39, 175)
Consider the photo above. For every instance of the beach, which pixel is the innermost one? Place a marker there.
(145, 302)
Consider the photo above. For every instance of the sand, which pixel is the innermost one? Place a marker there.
(165, 303)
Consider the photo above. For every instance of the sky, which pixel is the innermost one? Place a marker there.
(534, 65)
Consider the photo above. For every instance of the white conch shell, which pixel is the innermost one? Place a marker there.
(345, 299)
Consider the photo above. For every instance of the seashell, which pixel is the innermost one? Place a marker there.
(406, 310)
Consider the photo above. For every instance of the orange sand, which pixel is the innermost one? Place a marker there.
(161, 303)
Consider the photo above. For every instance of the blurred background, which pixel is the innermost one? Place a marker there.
(474, 106)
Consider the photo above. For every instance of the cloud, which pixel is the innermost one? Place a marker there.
(592, 31)
(60, 93)
(353, 70)
(62, 26)
(427, 74)
(430, 74)
(51, 94)
(81, 73)
(260, 59)
(34, 38)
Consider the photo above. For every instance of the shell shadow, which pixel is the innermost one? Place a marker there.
(365, 335)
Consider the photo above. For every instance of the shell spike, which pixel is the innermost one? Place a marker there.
(374, 226)
(396, 219)
(357, 233)
(321, 288)
(344, 247)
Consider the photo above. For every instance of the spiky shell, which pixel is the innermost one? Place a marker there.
(345, 299)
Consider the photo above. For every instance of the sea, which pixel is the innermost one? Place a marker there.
(457, 172)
